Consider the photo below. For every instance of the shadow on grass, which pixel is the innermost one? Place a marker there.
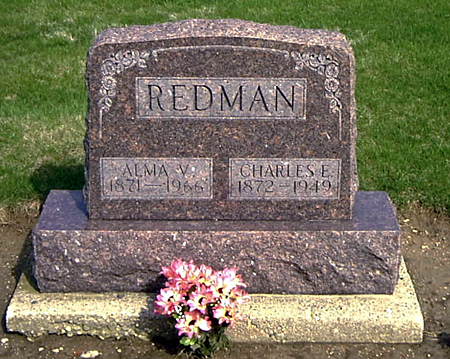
(68, 175)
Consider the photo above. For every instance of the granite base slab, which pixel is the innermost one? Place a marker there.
(357, 256)
(382, 318)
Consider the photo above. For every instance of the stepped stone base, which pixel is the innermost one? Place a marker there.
(379, 318)
(357, 256)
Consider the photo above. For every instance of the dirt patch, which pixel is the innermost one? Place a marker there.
(426, 248)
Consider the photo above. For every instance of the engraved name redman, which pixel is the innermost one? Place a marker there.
(214, 97)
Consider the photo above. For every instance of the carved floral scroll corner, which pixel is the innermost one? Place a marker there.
(326, 66)
(113, 65)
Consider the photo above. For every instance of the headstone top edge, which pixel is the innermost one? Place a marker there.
(221, 28)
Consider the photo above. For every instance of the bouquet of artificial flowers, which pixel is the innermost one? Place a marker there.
(202, 302)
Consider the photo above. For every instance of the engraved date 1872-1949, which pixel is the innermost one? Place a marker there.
(278, 178)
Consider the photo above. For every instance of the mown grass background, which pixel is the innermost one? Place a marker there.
(402, 51)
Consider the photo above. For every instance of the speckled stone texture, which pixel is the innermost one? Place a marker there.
(362, 255)
(131, 73)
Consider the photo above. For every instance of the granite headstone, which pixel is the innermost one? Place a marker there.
(220, 119)
(226, 142)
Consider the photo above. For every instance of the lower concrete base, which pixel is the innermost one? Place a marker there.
(375, 318)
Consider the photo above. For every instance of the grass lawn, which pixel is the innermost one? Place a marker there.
(402, 51)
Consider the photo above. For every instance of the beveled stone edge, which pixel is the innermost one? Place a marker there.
(268, 318)
(52, 215)
(220, 28)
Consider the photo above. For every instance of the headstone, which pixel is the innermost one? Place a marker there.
(220, 119)
(226, 142)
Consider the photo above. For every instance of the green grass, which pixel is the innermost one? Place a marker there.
(402, 51)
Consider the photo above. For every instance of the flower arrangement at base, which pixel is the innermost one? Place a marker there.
(202, 303)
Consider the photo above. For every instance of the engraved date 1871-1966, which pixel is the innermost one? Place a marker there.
(158, 178)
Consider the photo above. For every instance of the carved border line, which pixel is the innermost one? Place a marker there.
(123, 60)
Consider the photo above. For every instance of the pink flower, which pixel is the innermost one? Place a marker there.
(176, 270)
(220, 313)
(181, 275)
(200, 299)
(170, 272)
(226, 281)
(226, 314)
(168, 301)
(191, 324)
(204, 324)
(185, 329)
(207, 275)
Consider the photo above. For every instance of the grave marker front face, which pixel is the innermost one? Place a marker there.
(220, 119)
